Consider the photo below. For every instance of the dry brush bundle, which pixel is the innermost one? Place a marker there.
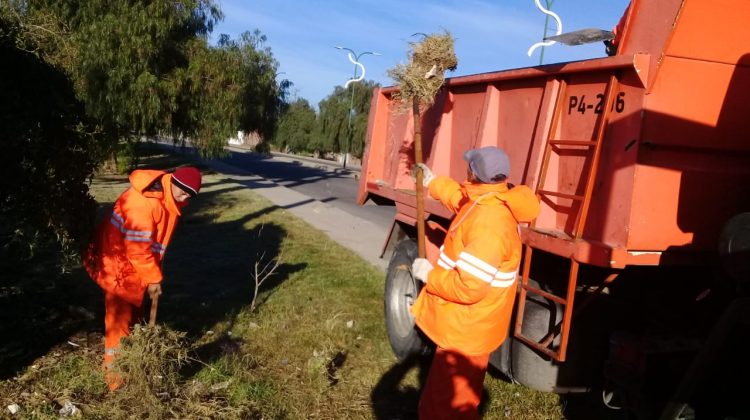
(423, 76)
(150, 359)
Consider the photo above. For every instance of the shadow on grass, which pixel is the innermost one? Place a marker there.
(209, 266)
(207, 279)
(393, 400)
(40, 308)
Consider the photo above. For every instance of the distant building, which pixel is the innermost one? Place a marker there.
(249, 140)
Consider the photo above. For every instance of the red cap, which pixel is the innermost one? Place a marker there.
(188, 178)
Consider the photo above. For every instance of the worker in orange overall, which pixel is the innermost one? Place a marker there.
(125, 255)
(466, 303)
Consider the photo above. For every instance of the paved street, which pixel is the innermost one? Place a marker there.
(323, 182)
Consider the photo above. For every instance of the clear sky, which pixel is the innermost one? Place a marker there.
(490, 35)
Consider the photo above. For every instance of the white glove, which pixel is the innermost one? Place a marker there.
(420, 269)
(427, 175)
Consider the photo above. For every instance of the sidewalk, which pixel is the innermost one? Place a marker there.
(350, 231)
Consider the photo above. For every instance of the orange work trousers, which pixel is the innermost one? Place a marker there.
(454, 386)
(119, 317)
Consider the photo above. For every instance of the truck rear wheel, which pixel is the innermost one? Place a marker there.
(401, 290)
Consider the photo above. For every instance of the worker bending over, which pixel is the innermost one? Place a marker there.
(125, 255)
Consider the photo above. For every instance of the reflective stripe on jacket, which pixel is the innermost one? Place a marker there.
(126, 253)
(467, 303)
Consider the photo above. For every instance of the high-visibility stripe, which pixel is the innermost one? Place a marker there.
(504, 278)
(501, 275)
(502, 283)
(111, 352)
(442, 264)
(158, 248)
(129, 232)
(499, 279)
(118, 217)
(118, 221)
(481, 275)
(144, 233)
(445, 259)
(482, 265)
(137, 239)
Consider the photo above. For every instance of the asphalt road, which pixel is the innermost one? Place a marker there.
(324, 183)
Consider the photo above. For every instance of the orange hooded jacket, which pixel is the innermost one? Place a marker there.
(467, 303)
(127, 251)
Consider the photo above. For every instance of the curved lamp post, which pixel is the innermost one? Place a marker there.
(547, 12)
(354, 58)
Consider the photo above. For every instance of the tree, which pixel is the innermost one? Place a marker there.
(334, 132)
(143, 67)
(128, 58)
(229, 87)
(296, 128)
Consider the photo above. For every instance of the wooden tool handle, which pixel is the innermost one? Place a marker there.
(421, 251)
(154, 306)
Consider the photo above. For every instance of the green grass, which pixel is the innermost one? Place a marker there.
(314, 347)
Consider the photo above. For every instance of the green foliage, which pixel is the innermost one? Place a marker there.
(145, 67)
(48, 151)
(230, 87)
(85, 80)
(334, 130)
(128, 58)
(296, 128)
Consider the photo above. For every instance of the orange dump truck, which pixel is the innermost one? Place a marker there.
(641, 161)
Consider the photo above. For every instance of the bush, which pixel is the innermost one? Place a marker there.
(262, 148)
(48, 155)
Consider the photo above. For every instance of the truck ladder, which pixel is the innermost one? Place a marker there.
(593, 146)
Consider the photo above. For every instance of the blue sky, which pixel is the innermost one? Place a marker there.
(490, 35)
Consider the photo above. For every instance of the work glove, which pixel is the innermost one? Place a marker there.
(427, 175)
(420, 269)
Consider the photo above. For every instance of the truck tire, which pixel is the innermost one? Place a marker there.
(401, 290)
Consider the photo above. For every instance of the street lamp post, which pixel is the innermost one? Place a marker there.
(354, 58)
(546, 25)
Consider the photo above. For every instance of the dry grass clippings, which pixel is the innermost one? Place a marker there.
(424, 75)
